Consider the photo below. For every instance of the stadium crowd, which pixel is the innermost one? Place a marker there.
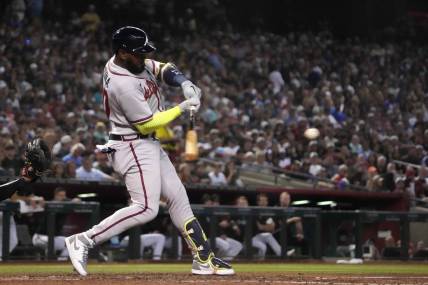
(260, 92)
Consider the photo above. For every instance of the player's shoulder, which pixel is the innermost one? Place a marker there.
(153, 66)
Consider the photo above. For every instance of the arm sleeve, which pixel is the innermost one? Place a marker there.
(134, 104)
(167, 72)
(7, 189)
(158, 120)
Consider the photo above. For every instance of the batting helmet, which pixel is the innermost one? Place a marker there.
(131, 39)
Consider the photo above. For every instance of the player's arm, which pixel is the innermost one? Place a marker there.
(9, 188)
(171, 75)
(269, 226)
(161, 119)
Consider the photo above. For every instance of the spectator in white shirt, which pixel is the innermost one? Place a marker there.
(88, 172)
(315, 164)
(216, 176)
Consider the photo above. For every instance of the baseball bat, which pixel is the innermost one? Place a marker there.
(191, 152)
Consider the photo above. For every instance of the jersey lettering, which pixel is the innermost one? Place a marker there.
(150, 89)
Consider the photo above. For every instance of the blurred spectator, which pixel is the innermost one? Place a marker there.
(400, 184)
(210, 200)
(232, 174)
(391, 249)
(421, 183)
(264, 229)
(185, 173)
(88, 172)
(70, 169)
(155, 241)
(216, 176)
(315, 164)
(295, 234)
(389, 177)
(18, 8)
(372, 106)
(200, 174)
(229, 233)
(421, 251)
(75, 154)
(340, 178)
(100, 133)
(58, 170)
(62, 148)
(226, 247)
(90, 19)
(102, 163)
(355, 145)
(12, 163)
(371, 176)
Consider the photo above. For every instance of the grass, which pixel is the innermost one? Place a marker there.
(128, 268)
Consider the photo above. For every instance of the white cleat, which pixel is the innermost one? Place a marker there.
(78, 246)
(214, 266)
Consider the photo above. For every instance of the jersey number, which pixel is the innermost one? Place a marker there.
(106, 104)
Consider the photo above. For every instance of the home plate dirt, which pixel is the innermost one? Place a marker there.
(241, 278)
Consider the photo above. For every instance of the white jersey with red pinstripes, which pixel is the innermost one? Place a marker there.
(130, 98)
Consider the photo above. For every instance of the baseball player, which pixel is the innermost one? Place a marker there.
(38, 159)
(133, 104)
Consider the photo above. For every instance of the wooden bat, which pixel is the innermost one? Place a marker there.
(191, 151)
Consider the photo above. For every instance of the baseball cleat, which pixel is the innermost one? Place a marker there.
(214, 266)
(78, 248)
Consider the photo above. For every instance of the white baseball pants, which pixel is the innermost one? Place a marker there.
(148, 174)
(228, 248)
(262, 240)
(154, 240)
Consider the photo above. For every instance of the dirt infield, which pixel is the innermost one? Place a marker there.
(241, 278)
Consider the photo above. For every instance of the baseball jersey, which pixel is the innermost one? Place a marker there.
(130, 98)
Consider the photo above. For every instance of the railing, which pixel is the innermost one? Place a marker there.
(52, 209)
(280, 174)
(8, 209)
(317, 217)
(322, 223)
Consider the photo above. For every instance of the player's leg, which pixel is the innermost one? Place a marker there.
(182, 216)
(124, 242)
(59, 245)
(156, 241)
(13, 236)
(258, 242)
(235, 248)
(40, 241)
(222, 247)
(272, 242)
(141, 175)
(138, 162)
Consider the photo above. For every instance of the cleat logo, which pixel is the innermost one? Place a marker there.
(74, 242)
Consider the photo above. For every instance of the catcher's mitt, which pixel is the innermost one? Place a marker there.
(38, 158)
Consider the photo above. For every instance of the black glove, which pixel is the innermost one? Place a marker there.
(38, 159)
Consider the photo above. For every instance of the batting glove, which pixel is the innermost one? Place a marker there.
(190, 90)
(186, 105)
